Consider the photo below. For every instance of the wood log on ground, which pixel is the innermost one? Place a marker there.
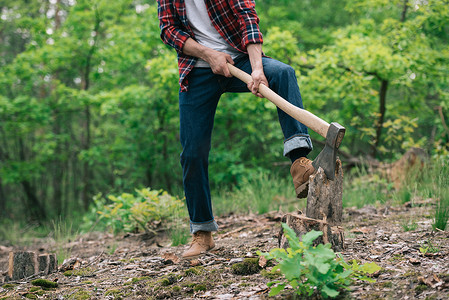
(26, 263)
(47, 263)
(22, 265)
(324, 210)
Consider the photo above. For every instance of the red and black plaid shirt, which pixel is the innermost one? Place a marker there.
(235, 20)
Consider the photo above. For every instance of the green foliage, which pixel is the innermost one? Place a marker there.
(312, 269)
(63, 233)
(141, 212)
(441, 215)
(259, 192)
(428, 247)
(364, 188)
(88, 96)
(179, 235)
(440, 184)
(409, 225)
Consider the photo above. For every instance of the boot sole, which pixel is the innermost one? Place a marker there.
(302, 190)
(198, 255)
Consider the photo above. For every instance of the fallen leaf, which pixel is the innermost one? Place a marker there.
(363, 230)
(262, 261)
(194, 262)
(414, 261)
(169, 256)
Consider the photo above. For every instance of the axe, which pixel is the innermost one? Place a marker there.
(333, 132)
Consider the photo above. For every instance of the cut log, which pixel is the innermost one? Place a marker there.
(47, 263)
(53, 263)
(324, 210)
(22, 265)
(26, 264)
(44, 263)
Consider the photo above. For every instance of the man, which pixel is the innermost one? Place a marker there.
(208, 34)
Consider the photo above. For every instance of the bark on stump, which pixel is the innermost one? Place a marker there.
(22, 265)
(47, 263)
(324, 210)
(26, 264)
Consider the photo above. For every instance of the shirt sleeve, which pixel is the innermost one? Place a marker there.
(248, 20)
(172, 32)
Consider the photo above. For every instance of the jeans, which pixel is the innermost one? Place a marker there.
(197, 109)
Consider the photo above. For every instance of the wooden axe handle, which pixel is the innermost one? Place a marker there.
(310, 120)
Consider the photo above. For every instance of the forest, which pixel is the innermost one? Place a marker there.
(89, 124)
(88, 99)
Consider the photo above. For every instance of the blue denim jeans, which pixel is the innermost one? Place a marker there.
(197, 109)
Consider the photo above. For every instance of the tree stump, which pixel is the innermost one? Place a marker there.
(323, 212)
(47, 263)
(22, 265)
(26, 264)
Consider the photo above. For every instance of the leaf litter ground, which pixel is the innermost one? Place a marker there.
(415, 263)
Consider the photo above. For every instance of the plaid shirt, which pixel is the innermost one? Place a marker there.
(235, 20)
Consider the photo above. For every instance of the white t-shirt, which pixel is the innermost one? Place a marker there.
(205, 32)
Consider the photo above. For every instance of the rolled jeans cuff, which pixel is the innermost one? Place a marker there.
(205, 226)
(295, 142)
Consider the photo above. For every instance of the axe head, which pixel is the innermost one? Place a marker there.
(327, 158)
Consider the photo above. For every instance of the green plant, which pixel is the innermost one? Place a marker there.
(365, 188)
(260, 192)
(441, 214)
(309, 269)
(428, 247)
(438, 183)
(179, 235)
(63, 232)
(134, 213)
(409, 225)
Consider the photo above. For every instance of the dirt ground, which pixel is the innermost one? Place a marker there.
(139, 267)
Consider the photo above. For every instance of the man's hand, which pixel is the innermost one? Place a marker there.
(255, 57)
(218, 62)
(258, 78)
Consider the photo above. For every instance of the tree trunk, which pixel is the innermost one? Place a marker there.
(2, 200)
(404, 11)
(57, 167)
(86, 193)
(34, 208)
(382, 109)
(86, 169)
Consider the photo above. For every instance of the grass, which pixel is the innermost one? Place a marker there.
(440, 180)
(361, 188)
(409, 225)
(261, 193)
(16, 233)
(179, 235)
(441, 215)
(63, 232)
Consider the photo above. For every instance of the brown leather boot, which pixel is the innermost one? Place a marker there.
(202, 242)
(301, 170)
